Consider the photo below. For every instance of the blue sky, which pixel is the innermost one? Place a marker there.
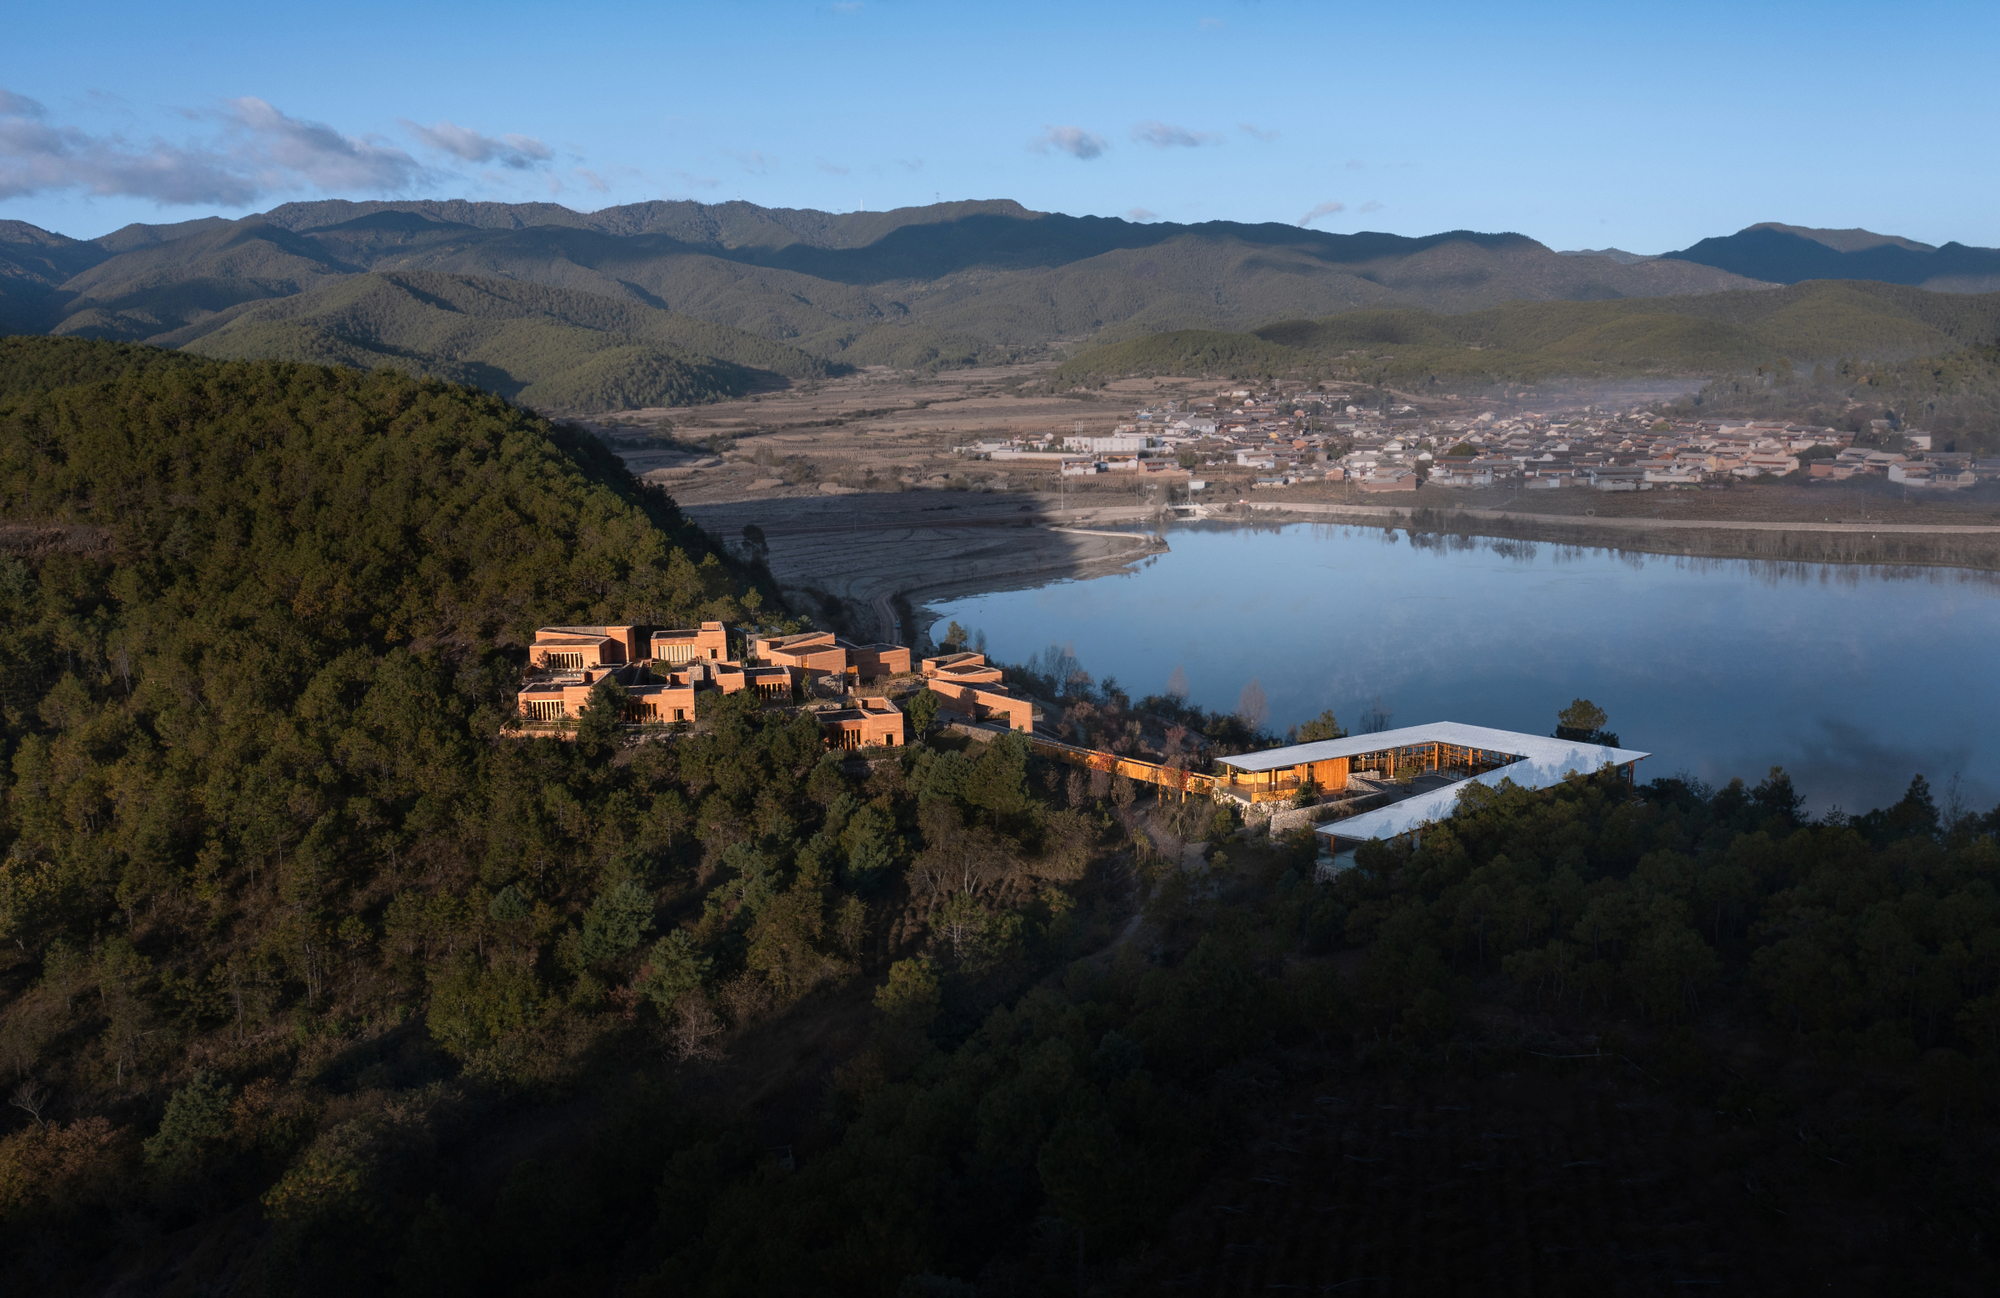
(1643, 126)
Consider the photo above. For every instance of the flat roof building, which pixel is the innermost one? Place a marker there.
(666, 698)
(825, 652)
(674, 647)
(871, 723)
(1450, 753)
(573, 648)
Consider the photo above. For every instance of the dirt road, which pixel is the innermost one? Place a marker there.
(1389, 513)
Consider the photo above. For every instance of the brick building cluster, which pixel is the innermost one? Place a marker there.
(663, 671)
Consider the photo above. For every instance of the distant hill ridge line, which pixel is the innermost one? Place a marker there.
(684, 300)
(711, 222)
(922, 287)
(1853, 239)
(1792, 254)
(708, 222)
(728, 225)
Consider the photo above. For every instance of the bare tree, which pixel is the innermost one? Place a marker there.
(958, 858)
(1376, 719)
(693, 1029)
(1956, 807)
(30, 1097)
(1251, 705)
(1168, 832)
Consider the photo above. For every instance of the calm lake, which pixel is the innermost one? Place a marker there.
(1851, 678)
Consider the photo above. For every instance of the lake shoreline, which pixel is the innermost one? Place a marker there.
(1893, 545)
(871, 562)
(1853, 676)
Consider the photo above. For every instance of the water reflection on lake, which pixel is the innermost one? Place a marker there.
(1851, 678)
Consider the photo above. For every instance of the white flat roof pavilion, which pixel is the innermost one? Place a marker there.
(1540, 763)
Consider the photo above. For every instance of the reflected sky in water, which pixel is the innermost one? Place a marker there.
(1851, 678)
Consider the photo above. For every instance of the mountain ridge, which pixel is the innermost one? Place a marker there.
(683, 300)
(1854, 239)
(787, 272)
(546, 347)
(1791, 254)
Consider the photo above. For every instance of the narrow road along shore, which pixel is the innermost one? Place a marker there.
(1379, 513)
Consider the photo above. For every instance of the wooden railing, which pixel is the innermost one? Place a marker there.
(1172, 778)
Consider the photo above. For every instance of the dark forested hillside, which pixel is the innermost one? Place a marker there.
(314, 979)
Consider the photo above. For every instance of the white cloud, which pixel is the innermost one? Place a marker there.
(1162, 136)
(830, 168)
(1211, 24)
(259, 150)
(912, 164)
(1370, 206)
(1073, 140)
(35, 158)
(592, 179)
(320, 155)
(1256, 132)
(1327, 208)
(516, 151)
(1141, 214)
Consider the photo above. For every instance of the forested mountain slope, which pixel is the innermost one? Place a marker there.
(313, 980)
(549, 348)
(1804, 324)
(952, 283)
(974, 280)
(1789, 254)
